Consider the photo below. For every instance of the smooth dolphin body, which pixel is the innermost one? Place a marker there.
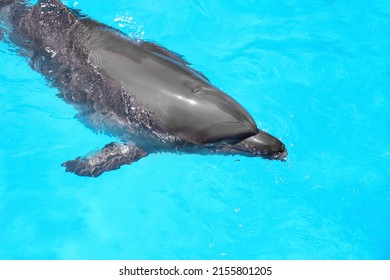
(141, 93)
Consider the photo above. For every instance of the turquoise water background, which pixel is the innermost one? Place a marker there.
(314, 73)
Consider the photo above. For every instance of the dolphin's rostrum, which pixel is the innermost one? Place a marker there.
(143, 94)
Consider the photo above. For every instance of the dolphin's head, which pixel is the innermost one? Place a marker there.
(263, 145)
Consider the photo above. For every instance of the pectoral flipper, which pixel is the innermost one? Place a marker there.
(111, 157)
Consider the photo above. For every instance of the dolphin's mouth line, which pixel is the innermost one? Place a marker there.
(280, 156)
(263, 145)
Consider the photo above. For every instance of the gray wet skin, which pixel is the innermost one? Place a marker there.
(141, 93)
(184, 101)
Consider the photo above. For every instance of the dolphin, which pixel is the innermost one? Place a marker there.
(144, 95)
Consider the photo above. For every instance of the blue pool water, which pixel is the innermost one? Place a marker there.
(316, 74)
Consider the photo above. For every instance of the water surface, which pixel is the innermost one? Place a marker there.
(315, 74)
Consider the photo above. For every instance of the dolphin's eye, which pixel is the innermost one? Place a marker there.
(198, 90)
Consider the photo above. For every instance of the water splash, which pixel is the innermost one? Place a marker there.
(128, 25)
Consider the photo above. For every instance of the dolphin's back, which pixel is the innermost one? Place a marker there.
(183, 100)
